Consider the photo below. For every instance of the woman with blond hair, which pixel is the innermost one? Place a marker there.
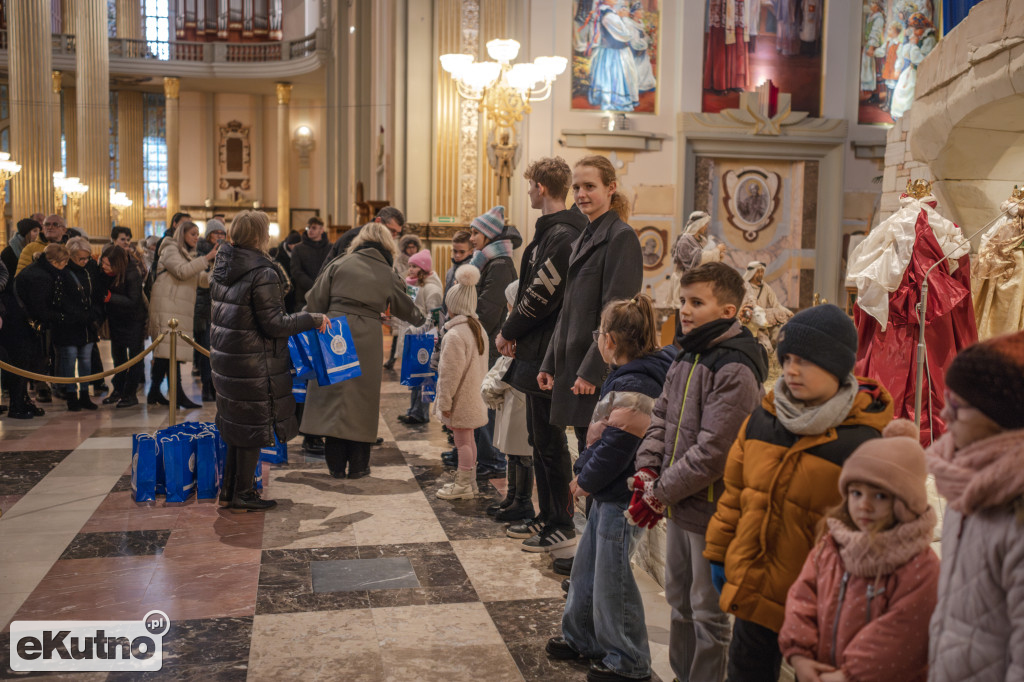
(249, 356)
(179, 271)
(359, 285)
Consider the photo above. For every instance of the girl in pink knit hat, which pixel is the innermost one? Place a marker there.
(860, 608)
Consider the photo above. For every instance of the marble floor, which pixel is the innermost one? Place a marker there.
(372, 579)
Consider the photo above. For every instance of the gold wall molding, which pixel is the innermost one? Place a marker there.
(469, 118)
(172, 86)
(284, 93)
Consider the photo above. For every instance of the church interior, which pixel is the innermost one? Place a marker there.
(801, 127)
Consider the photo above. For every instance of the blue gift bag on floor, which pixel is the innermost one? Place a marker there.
(428, 391)
(302, 366)
(207, 475)
(179, 467)
(416, 359)
(334, 353)
(276, 453)
(144, 457)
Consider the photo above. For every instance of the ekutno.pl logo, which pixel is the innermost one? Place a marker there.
(89, 645)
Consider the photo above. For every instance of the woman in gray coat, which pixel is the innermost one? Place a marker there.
(360, 285)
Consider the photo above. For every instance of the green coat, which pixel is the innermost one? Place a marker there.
(361, 286)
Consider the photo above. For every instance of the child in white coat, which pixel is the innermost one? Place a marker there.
(461, 370)
(510, 435)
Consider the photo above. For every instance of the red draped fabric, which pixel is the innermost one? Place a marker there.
(890, 356)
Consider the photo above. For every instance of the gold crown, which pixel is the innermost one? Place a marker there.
(1017, 195)
(918, 189)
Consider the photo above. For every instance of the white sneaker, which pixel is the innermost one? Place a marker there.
(462, 488)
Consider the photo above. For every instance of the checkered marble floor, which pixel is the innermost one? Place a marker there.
(371, 579)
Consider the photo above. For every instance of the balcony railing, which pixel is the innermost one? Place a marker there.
(182, 51)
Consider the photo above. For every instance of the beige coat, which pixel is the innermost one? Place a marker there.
(360, 286)
(460, 373)
(174, 294)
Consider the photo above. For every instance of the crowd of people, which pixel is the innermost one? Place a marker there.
(798, 524)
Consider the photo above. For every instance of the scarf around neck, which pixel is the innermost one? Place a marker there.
(805, 420)
(502, 247)
(871, 555)
(986, 474)
(379, 248)
(705, 336)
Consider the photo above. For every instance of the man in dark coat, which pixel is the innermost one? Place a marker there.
(283, 255)
(250, 360)
(494, 242)
(391, 217)
(308, 257)
(28, 232)
(527, 332)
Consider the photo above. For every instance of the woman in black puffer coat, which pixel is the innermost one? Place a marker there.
(127, 317)
(249, 355)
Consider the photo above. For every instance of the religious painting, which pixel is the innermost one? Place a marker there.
(615, 55)
(653, 245)
(764, 210)
(895, 37)
(748, 42)
(751, 196)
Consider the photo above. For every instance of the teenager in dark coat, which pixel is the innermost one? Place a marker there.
(527, 331)
(308, 257)
(127, 317)
(606, 264)
(250, 360)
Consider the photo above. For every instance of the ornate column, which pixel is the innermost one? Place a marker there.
(56, 87)
(31, 100)
(129, 19)
(171, 87)
(92, 61)
(70, 132)
(284, 198)
(129, 153)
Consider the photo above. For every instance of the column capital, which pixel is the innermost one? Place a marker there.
(57, 81)
(171, 87)
(284, 93)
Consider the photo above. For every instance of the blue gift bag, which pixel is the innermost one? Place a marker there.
(276, 453)
(428, 391)
(334, 353)
(299, 390)
(416, 359)
(298, 348)
(207, 475)
(179, 467)
(144, 467)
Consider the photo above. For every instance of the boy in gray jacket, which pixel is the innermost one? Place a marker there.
(713, 385)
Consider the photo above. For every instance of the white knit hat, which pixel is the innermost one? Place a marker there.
(461, 298)
(511, 291)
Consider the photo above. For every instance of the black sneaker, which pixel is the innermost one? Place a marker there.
(549, 539)
(599, 673)
(562, 566)
(524, 530)
(558, 649)
(485, 472)
(313, 445)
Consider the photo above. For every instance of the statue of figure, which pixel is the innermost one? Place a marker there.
(766, 303)
(503, 159)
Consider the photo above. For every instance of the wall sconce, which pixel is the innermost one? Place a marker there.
(274, 229)
(304, 143)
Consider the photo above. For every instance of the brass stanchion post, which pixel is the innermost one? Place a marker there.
(172, 373)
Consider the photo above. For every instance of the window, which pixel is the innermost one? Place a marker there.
(154, 150)
(155, 228)
(158, 28)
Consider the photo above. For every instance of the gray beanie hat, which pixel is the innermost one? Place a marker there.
(461, 297)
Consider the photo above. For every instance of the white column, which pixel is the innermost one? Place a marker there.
(173, 131)
(284, 194)
(92, 61)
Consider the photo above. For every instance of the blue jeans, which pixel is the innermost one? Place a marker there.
(486, 454)
(417, 408)
(604, 613)
(66, 358)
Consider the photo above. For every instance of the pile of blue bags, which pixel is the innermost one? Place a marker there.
(186, 459)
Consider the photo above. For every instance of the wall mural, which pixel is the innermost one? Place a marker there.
(747, 42)
(615, 55)
(775, 223)
(896, 35)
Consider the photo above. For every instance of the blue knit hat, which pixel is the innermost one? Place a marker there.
(824, 335)
(490, 224)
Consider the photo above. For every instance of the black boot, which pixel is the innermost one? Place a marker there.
(510, 494)
(390, 364)
(359, 464)
(73, 404)
(245, 497)
(250, 501)
(336, 454)
(450, 458)
(84, 401)
(522, 508)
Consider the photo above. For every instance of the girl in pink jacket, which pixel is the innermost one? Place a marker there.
(860, 609)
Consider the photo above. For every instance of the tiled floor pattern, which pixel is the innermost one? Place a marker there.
(372, 579)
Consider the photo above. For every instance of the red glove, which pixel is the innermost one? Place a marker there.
(645, 510)
(106, 299)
